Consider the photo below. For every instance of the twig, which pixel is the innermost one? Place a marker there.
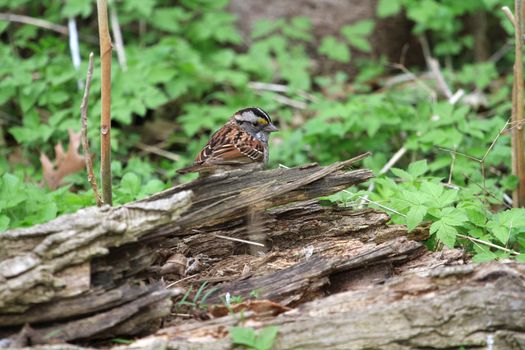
(488, 244)
(405, 70)
(453, 156)
(395, 158)
(34, 21)
(287, 101)
(237, 240)
(74, 47)
(158, 151)
(509, 15)
(433, 66)
(501, 52)
(105, 117)
(117, 34)
(257, 85)
(494, 141)
(404, 77)
(181, 280)
(363, 198)
(456, 97)
(85, 142)
(518, 160)
(378, 204)
(460, 153)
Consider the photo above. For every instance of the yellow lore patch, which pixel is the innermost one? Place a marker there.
(263, 121)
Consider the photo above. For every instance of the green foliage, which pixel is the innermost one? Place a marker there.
(189, 69)
(444, 20)
(454, 214)
(198, 301)
(356, 36)
(246, 336)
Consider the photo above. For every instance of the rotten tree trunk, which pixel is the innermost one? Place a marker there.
(471, 306)
(355, 281)
(98, 252)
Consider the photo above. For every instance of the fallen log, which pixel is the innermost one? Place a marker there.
(471, 306)
(86, 256)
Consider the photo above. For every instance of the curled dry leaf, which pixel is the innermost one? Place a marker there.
(66, 163)
(258, 307)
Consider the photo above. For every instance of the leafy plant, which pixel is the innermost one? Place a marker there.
(190, 69)
(263, 340)
(456, 215)
(199, 299)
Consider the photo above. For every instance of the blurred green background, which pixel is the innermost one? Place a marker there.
(339, 78)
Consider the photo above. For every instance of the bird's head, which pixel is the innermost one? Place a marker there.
(255, 121)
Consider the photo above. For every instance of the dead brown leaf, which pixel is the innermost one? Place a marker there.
(259, 307)
(65, 163)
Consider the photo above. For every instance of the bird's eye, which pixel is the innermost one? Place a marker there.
(254, 123)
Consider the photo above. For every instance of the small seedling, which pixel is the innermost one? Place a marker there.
(246, 336)
(197, 301)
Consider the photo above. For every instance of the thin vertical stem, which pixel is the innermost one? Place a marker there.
(85, 142)
(105, 118)
(518, 160)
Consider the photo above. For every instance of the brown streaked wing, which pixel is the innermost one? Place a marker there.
(230, 145)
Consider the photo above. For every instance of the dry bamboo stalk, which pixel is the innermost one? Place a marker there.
(518, 160)
(105, 118)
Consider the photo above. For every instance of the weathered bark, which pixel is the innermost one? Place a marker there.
(355, 281)
(309, 278)
(474, 306)
(95, 255)
(52, 260)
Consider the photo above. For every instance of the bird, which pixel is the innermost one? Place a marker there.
(240, 143)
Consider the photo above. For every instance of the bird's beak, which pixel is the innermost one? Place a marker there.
(271, 128)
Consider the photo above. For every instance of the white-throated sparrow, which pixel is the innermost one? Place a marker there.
(241, 142)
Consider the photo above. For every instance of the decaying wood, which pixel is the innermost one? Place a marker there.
(474, 306)
(86, 256)
(354, 280)
(298, 225)
(41, 262)
(299, 282)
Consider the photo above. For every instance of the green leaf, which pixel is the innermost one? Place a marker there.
(361, 28)
(510, 182)
(484, 257)
(4, 222)
(264, 27)
(168, 19)
(520, 258)
(266, 338)
(243, 336)
(418, 168)
(448, 197)
(476, 216)
(299, 28)
(334, 49)
(444, 232)
(501, 233)
(360, 43)
(130, 183)
(433, 189)
(415, 215)
(387, 8)
(73, 8)
(151, 187)
(402, 174)
(11, 191)
(3, 26)
(453, 216)
(356, 34)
